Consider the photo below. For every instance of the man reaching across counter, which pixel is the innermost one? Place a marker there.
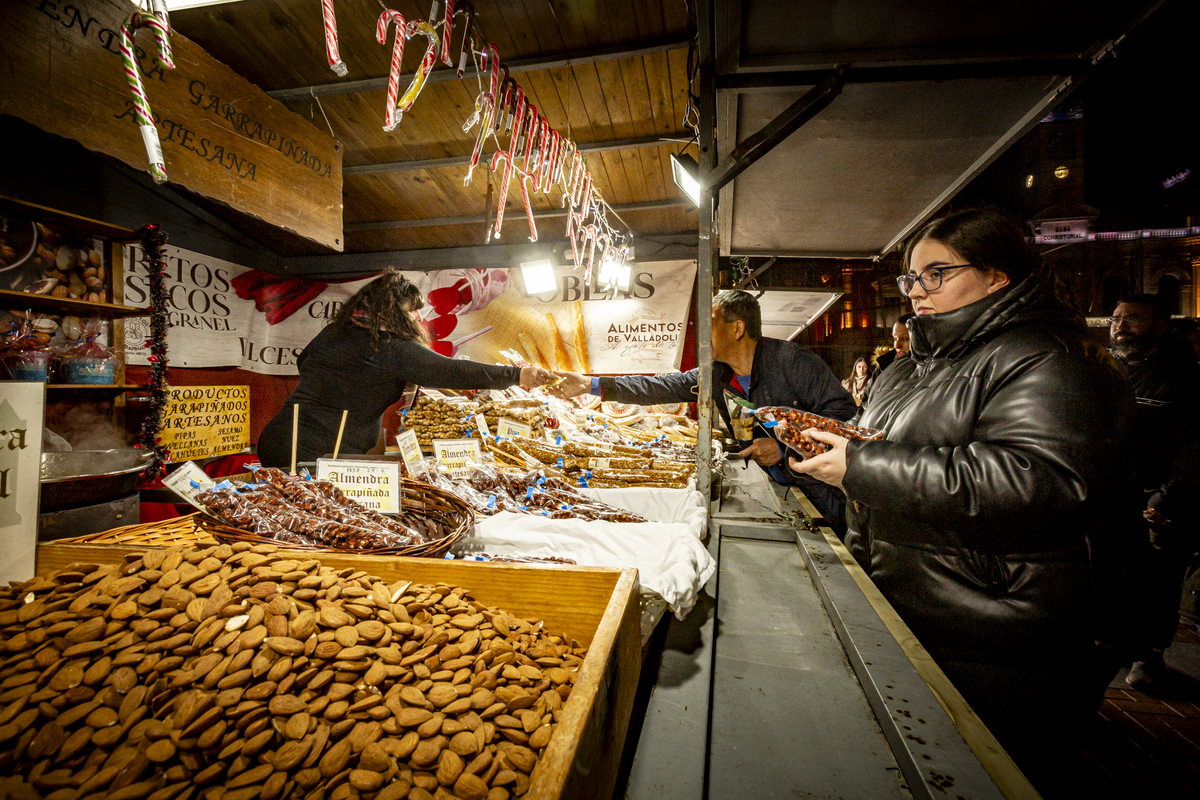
(748, 365)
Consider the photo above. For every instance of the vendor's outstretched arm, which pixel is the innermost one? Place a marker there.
(675, 387)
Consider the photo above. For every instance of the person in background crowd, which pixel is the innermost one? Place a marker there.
(363, 361)
(1187, 328)
(859, 382)
(1006, 441)
(765, 371)
(1163, 370)
(900, 340)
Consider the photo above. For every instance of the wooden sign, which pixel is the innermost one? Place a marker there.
(206, 421)
(222, 137)
(22, 410)
(372, 484)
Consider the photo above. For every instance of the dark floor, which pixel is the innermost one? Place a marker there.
(1148, 746)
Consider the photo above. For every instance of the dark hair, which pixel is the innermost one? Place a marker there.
(1157, 306)
(986, 238)
(904, 318)
(738, 305)
(386, 306)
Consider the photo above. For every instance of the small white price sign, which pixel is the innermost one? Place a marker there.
(188, 481)
(410, 451)
(457, 455)
(372, 484)
(481, 423)
(507, 428)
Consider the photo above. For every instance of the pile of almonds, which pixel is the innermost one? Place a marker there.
(230, 672)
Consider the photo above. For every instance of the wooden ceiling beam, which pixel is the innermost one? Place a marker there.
(521, 65)
(462, 161)
(514, 218)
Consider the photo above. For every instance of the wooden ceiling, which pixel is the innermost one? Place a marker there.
(279, 45)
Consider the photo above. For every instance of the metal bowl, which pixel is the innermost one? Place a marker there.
(86, 477)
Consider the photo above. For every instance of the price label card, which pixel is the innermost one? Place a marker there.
(188, 481)
(605, 446)
(497, 394)
(410, 451)
(457, 455)
(508, 428)
(372, 484)
(598, 463)
(481, 423)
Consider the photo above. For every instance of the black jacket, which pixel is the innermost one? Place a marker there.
(1166, 428)
(784, 374)
(1007, 441)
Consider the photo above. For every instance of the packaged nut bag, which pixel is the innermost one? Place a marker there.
(88, 360)
(788, 423)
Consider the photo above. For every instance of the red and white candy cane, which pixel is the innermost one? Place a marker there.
(564, 164)
(550, 176)
(447, 29)
(509, 93)
(464, 49)
(539, 167)
(485, 106)
(536, 123)
(419, 28)
(331, 43)
(141, 106)
(508, 156)
(381, 31)
(590, 233)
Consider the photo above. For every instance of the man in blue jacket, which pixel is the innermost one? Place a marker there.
(764, 371)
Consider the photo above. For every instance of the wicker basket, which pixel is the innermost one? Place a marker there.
(436, 504)
(185, 531)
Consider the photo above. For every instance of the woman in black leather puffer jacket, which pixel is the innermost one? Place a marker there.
(1007, 445)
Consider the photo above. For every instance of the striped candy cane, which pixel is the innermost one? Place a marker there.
(381, 31)
(550, 176)
(464, 49)
(485, 106)
(141, 106)
(331, 45)
(419, 28)
(508, 157)
(447, 29)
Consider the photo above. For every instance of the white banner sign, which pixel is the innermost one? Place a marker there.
(223, 314)
(22, 413)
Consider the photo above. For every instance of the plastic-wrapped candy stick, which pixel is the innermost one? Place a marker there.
(331, 42)
(538, 123)
(464, 51)
(141, 106)
(447, 30)
(548, 178)
(485, 107)
(508, 157)
(381, 32)
(419, 28)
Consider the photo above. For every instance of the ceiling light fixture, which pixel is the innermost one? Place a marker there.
(686, 172)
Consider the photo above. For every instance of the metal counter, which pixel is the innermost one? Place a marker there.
(784, 681)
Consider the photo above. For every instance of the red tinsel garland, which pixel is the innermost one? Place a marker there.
(153, 240)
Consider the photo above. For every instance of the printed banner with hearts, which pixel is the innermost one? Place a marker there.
(223, 314)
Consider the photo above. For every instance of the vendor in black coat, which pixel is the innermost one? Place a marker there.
(765, 371)
(1007, 444)
(362, 362)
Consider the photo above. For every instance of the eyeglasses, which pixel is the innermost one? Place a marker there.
(1132, 319)
(930, 279)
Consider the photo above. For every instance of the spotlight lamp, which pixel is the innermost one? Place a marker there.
(539, 277)
(686, 172)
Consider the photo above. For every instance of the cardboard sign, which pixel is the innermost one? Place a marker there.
(410, 451)
(507, 428)
(221, 136)
(188, 481)
(372, 484)
(457, 455)
(22, 414)
(206, 421)
(481, 423)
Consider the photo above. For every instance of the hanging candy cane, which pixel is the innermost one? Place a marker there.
(331, 44)
(564, 164)
(508, 156)
(447, 29)
(550, 176)
(464, 49)
(485, 107)
(590, 233)
(535, 172)
(419, 28)
(536, 123)
(508, 101)
(604, 254)
(141, 106)
(381, 31)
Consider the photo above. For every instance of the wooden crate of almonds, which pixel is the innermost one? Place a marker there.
(166, 673)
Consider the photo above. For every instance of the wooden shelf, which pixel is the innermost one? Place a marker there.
(52, 216)
(67, 305)
(120, 387)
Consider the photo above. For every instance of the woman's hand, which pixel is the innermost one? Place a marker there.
(535, 376)
(828, 467)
